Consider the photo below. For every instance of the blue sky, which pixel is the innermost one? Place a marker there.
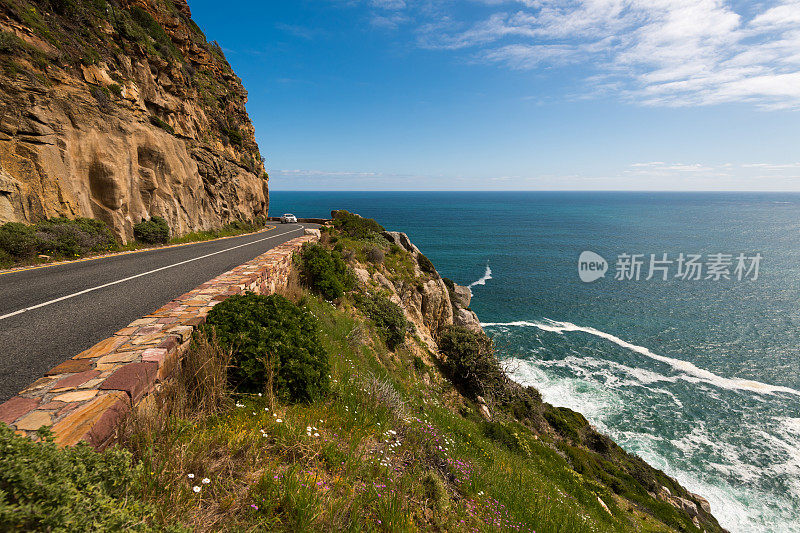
(522, 94)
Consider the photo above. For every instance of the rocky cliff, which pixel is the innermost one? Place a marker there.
(121, 110)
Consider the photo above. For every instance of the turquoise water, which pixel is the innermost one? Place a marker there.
(700, 378)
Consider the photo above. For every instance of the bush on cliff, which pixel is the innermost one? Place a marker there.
(355, 226)
(387, 317)
(325, 272)
(470, 361)
(275, 347)
(153, 231)
(47, 488)
(425, 264)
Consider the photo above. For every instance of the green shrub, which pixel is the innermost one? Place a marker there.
(153, 231)
(155, 121)
(435, 491)
(325, 272)
(470, 361)
(163, 42)
(47, 488)
(375, 255)
(419, 364)
(565, 422)
(501, 433)
(103, 97)
(61, 236)
(10, 43)
(58, 236)
(387, 317)
(355, 226)
(234, 136)
(18, 240)
(115, 88)
(272, 341)
(425, 264)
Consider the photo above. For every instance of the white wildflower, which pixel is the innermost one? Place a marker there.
(196, 488)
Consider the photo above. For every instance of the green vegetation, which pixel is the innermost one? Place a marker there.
(44, 488)
(152, 231)
(470, 361)
(56, 237)
(61, 238)
(325, 272)
(387, 317)
(425, 264)
(234, 136)
(115, 89)
(155, 121)
(275, 347)
(162, 42)
(356, 227)
(231, 229)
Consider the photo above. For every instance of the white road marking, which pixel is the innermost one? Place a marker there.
(123, 280)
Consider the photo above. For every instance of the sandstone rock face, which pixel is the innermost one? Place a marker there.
(462, 296)
(437, 310)
(135, 133)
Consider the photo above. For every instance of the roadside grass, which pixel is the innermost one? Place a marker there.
(228, 230)
(381, 453)
(33, 256)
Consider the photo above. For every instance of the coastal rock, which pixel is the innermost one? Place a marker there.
(437, 311)
(686, 505)
(603, 505)
(483, 409)
(361, 275)
(462, 296)
(401, 240)
(704, 505)
(466, 318)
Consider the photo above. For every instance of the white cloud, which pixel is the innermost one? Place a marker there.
(657, 52)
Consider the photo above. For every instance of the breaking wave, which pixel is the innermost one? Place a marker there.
(486, 277)
(690, 372)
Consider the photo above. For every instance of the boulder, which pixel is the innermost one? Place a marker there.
(704, 505)
(462, 296)
(401, 240)
(467, 319)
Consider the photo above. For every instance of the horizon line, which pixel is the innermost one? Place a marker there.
(729, 191)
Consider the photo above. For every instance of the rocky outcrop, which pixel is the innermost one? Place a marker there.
(428, 303)
(122, 113)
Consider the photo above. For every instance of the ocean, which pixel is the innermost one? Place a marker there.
(699, 377)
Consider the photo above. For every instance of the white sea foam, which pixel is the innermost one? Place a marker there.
(738, 508)
(690, 371)
(486, 277)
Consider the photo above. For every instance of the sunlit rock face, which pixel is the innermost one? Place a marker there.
(120, 114)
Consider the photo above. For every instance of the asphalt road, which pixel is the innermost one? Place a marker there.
(48, 315)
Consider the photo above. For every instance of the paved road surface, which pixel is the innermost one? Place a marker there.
(46, 317)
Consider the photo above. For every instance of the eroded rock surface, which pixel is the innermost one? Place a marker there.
(131, 116)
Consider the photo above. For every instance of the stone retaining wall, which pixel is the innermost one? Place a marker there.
(84, 398)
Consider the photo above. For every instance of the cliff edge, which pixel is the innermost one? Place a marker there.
(121, 110)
